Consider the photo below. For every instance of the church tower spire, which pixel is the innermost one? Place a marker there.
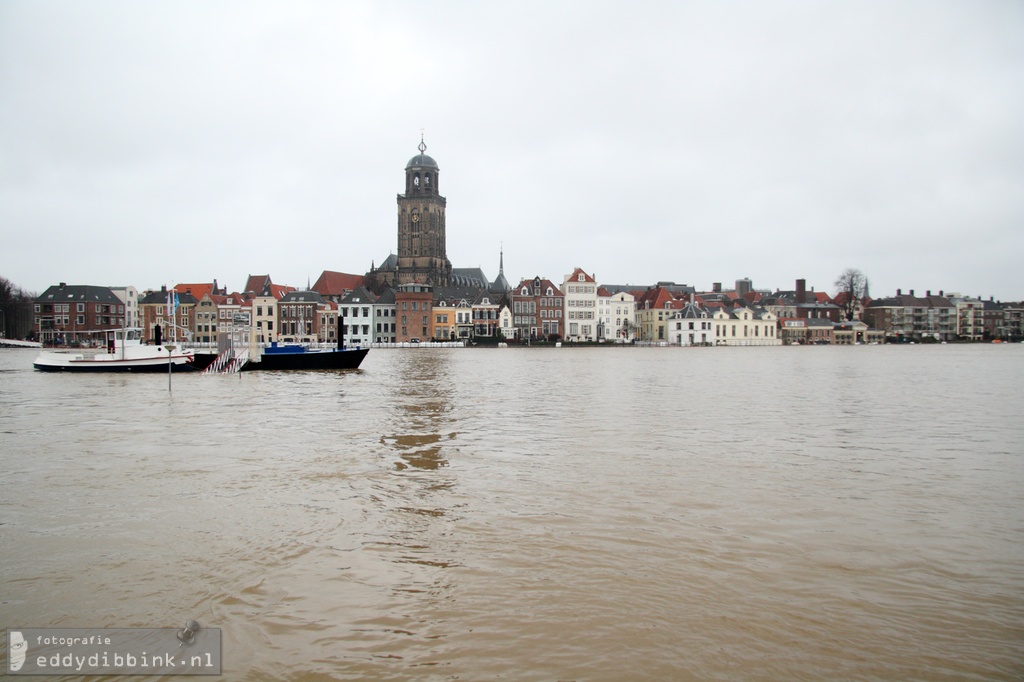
(501, 284)
(422, 245)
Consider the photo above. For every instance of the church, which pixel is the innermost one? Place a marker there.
(422, 243)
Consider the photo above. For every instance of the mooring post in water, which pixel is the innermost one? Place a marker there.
(170, 365)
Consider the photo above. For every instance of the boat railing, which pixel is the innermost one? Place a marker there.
(238, 362)
(219, 362)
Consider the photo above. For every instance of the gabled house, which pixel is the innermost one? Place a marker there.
(653, 308)
(616, 316)
(485, 311)
(329, 313)
(384, 317)
(256, 285)
(581, 311)
(691, 325)
(537, 309)
(266, 328)
(444, 327)
(505, 322)
(356, 316)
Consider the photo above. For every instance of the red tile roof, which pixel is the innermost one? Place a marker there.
(575, 276)
(198, 290)
(337, 283)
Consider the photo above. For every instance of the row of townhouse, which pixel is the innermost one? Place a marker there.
(944, 317)
(580, 309)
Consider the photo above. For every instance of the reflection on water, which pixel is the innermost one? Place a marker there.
(814, 513)
(421, 413)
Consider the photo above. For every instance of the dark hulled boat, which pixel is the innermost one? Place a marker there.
(298, 357)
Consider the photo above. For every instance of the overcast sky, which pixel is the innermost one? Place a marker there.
(151, 143)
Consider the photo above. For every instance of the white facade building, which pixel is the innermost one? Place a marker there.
(616, 315)
(581, 311)
(691, 326)
(130, 297)
(384, 317)
(746, 327)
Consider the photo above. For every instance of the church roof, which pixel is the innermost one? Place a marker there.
(390, 263)
(469, 277)
(332, 283)
(421, 161)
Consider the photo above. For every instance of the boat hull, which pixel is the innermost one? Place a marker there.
(52, 362)
(348, 358)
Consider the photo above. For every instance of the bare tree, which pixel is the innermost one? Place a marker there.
(850, 287)
(15, 310)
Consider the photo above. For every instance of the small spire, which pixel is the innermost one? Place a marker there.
(422, 145)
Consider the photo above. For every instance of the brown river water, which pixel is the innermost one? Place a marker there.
(849, 513)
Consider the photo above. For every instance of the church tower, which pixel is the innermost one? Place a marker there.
(422, 247)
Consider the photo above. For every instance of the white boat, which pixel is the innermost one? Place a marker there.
(124, 353)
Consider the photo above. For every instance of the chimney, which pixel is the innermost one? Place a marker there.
(941, 293)
(716, 287)
(899, 292)
(911, 292)
(801, 291)
(928, 293)
(63, 284)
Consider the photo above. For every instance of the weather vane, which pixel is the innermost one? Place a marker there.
(422, 146)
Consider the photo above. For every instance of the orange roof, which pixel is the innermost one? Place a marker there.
(197, 290)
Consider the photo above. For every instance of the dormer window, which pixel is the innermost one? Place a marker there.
(582, 278)
(526, 292)
(551, 292)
